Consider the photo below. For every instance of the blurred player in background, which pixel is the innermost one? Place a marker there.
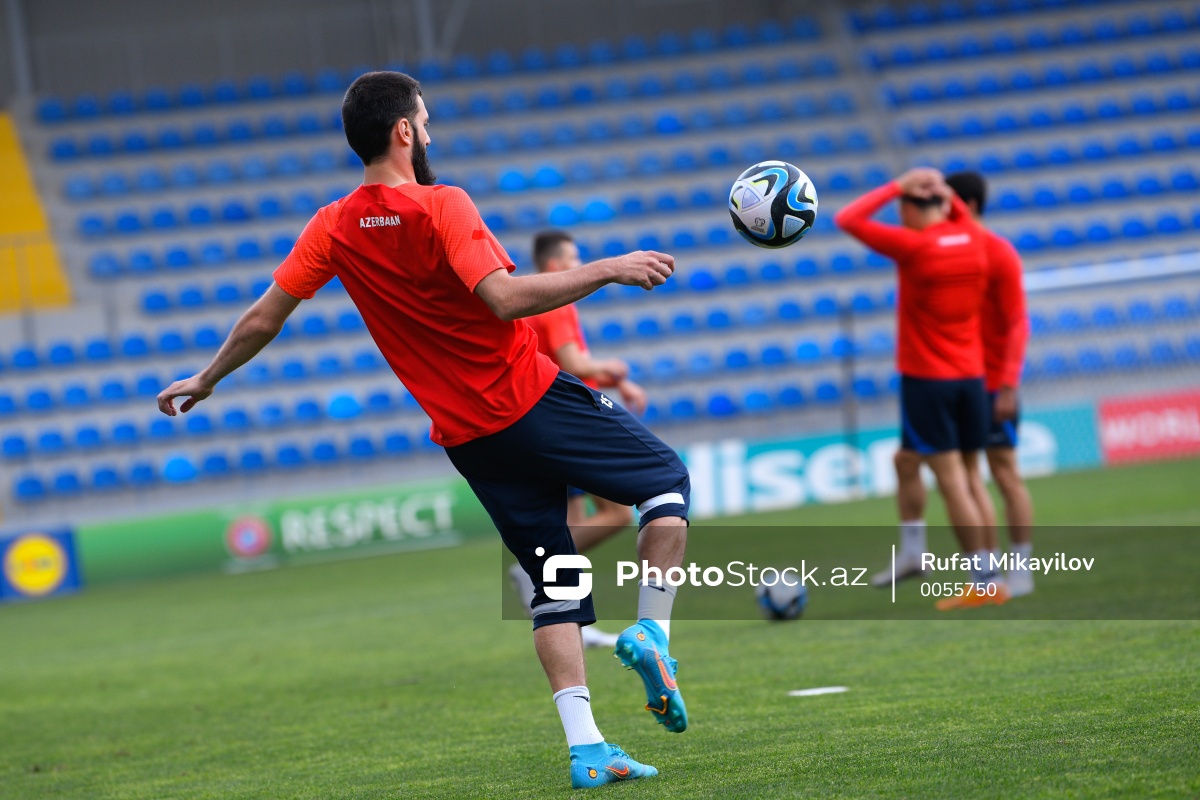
(433, 286)
(1005, 332)
(560, 336)
(942, 274)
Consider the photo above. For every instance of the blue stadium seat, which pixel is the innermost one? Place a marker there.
(178, 468)
(289, 457)
(361, 448)
(1126, 356)
(397, 443)
(722, 405)
(25, 357)
(105, 478)
(29, 488)
(325, 451)
(162, 429)
(142, 475)
(827, 391)
(76, 396)
(215, 465)
(68, 483)
(14, 446)
(252, 461)
(39, 400)
(124, 434)
(757, 401)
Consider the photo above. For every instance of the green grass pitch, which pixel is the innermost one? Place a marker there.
(393, 677)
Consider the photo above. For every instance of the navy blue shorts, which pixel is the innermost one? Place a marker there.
(938, 416)
(1001, 434)
(573, 436)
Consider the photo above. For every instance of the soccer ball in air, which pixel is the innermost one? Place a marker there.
(780, 601)
(773, 204)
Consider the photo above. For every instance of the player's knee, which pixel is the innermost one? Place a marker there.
(672, 503)
(906, 463)
(1004, 473)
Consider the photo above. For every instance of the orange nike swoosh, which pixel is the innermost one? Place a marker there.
(620, 773)
(668, 681)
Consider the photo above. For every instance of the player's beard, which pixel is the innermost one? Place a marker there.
(420, 161)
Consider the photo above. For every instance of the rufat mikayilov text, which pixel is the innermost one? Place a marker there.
(1059, 562)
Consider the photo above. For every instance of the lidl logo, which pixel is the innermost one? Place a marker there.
(38, 565)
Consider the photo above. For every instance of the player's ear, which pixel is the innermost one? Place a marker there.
(404, 131)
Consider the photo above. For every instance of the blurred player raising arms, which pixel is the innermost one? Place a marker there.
(1005, 332)
(942, 273)
(434, 289)
(560, 336)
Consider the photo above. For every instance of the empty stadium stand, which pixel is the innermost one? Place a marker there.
(171, 207)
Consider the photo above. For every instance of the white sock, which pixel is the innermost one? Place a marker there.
(575, 710)
(524, 586)
(1024, 550)
(985, 572)
(655, 603)
(912, 537)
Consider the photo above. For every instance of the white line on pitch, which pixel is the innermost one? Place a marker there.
(814, 692)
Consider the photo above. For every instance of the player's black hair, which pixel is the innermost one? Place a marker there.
(923, 203)
(969, 186)
(373, 105)
(546, 245)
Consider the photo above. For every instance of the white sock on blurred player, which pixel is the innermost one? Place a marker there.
(984, 572)
(1020, 581)
(524, 586)
(654, 602)
(912, 538)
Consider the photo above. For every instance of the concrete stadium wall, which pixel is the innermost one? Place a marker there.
(79, 46)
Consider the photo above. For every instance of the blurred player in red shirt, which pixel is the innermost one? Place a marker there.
(942, 272)
(434, 289)
(560, 337)
(1005, 332)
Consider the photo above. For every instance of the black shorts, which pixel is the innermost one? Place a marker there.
(573, 437)
(937, 416)
(1001, 434)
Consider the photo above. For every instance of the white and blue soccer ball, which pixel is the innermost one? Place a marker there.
(773, 204)
(780, 601)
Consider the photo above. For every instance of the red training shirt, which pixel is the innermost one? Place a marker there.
(1005, 321)
(557, 328)
(410, 257)
(942, 275)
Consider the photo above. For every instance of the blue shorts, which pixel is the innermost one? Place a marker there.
(1001, 434)
(573, 436)
(937, 416)
(575, 491)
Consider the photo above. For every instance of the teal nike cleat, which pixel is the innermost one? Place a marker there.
(594, 765)
(643, 647)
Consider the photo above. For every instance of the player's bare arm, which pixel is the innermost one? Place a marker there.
(255, 330)
(633, 396)
(606, 372)
(513, 298)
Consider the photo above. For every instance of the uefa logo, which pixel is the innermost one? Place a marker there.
(248, 537)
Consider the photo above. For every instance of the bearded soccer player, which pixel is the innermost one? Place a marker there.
(1005, 332)
(560, 337)
(942, 273)
(434, 289)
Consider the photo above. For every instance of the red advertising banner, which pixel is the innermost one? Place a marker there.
(1150, 427)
